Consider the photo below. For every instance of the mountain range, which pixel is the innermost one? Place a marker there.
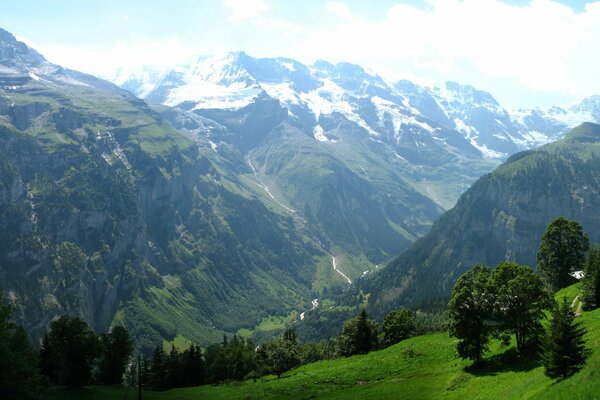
(384, 109)
(209, 197)
(502, 217)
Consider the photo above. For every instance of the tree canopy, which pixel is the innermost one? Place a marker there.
(562, 251)
(68, 352)
(520, 299)
(116, 349)
(397, 326)
(358, 336)
(470, 307)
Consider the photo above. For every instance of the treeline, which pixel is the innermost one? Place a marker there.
(236, 358)
(73, 355)
(511, 301)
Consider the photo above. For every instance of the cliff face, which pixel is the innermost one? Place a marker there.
(501, 217)
(108, 213)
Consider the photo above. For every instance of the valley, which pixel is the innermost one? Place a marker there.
(293, 182)
(266, 199)
(234, 196)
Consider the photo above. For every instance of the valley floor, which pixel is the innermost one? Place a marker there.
(423, 367)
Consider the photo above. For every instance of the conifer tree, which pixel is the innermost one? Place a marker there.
(157, 379)
(19, 374)
(564, 351)
(591, 281)
(358, 336)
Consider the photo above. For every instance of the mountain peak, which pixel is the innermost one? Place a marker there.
(16, 54)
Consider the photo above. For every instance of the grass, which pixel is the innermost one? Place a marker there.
(180, 342)
(423, 367)
(269, 325)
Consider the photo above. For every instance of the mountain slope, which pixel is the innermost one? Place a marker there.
(501, 217)
(393, 156)
(109, 213)
(337, 147)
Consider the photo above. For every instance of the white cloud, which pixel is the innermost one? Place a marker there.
(544, 45)
(339, 9)
(241, 10)
(102, 62)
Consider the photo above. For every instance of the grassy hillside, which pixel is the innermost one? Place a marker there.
(423, 367)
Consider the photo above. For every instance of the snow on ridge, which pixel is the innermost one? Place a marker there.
(281, 91)
(331, 98)
(486, 151)
(214, 82)
(319, 134)
(386, 107)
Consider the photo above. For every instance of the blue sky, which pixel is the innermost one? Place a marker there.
(526, 53)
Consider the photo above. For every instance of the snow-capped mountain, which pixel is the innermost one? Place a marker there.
(385, 111)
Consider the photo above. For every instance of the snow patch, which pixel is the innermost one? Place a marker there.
(486, 151)
(319, 134)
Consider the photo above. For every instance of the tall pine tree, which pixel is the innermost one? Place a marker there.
(564, 352)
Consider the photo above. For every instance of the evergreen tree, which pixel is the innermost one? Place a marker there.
(20, 378)
(194, 366)
(520, 299)
(565, 351)
(397, 326)
(157, 378)
(116, 348)
(470, 306)
(69, 351)
(173, 367)
(591, 281)
(358, 336)
(216, 362)
(561, 252)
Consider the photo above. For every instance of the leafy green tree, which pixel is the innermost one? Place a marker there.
(562, 251)
(283, 354)
(73, 347)
(358, 336)
(116, 348)
(20, 377)
(591, 281)
(520, 299)
(397, 326)
(469, 308)
(564, 351)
